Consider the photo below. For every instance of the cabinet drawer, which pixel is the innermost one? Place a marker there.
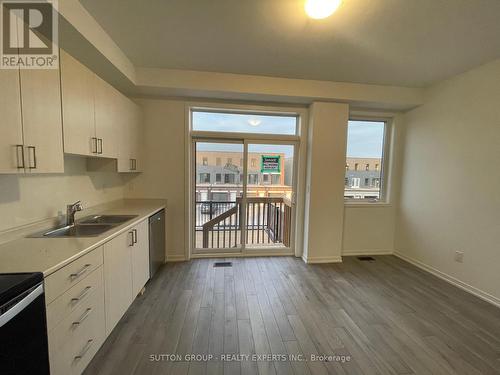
(75, 340)
(73, 298)
(63, 279)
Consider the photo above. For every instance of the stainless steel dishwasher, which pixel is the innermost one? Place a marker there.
(156, 242)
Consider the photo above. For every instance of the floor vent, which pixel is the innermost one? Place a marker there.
(223, 264)
(367, 259)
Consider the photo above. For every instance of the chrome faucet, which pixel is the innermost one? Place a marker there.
(71, 210)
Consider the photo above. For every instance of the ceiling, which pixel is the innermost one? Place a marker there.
(411, 43)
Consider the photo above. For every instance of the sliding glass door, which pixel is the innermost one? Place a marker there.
(218, 193)
(244, 195)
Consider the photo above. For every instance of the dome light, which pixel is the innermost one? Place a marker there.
(319, 9)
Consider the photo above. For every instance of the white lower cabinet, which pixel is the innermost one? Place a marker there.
(117, 278)
(76, 319)
(126, 271)
(88, 297)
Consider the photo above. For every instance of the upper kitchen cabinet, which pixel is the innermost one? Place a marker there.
(11, 140)
(42, 123)
(108, 118)
(130, 147)
(31, 127)
(77, 88)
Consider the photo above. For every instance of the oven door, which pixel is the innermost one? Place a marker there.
(23, 334)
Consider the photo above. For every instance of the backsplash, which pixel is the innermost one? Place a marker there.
(28, 199)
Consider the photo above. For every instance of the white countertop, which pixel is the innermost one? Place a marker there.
(47, 255)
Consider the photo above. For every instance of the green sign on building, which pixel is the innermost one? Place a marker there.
(270, 164)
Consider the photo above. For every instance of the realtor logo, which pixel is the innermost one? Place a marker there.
(29, 34)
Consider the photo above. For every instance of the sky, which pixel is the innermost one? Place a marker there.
(365, 139)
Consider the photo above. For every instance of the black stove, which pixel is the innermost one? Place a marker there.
(23, 325)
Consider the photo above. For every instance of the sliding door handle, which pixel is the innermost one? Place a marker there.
(31, 160)
(20, 156)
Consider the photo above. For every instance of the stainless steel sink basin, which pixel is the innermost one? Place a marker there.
(77, 230)
(106, 219)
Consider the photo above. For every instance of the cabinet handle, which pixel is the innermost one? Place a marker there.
(83, 317)
(30, 160)
(135, 164)
(132, 236)
(76, 275)
(85, 349)
(20, 160)
(134, 231)
(82, 295)
(94, 145)
(131, 164)
(99, 140)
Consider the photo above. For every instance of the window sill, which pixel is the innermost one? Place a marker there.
(352, 204)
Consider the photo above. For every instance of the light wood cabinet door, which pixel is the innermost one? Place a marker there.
(117, 278)
(137, 137)
(140, 257)
(77, 87)
(42, 123)
(107, 104)
(11, 139)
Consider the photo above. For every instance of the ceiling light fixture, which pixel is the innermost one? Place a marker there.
(319, 9)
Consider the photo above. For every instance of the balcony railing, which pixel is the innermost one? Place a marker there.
(268, 221)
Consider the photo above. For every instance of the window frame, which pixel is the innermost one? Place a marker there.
(385, 186)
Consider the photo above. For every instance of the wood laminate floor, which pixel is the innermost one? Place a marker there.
(387, 317)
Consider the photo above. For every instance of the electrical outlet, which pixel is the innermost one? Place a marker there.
(459, 256)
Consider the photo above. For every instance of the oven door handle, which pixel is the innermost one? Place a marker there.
(21, 305)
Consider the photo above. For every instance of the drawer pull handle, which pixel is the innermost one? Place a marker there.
(83, 317)
(82, 294)
(81, 272)
(134, 235)
(85, 349)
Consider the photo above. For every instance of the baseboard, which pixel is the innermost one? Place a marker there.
(176, 258)
(450, 279)
(367, 252)
(318, 260)
(248, 254)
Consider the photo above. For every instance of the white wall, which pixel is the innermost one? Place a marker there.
(326, 146)
(27, 199)
(164, 167)
(450, 187)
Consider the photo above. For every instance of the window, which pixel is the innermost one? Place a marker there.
(346, 182)
(218, 162)
(216, 121)
(253, 179)
(218, 177)
(253, 163)
(365, 147)
(275, 179)
(229, 178)
(205, 178)
(205, 161)
(265, 178)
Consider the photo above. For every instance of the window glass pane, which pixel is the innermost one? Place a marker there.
(244, 123)
(365, 145)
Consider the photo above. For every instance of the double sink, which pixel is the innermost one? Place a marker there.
(90, 226)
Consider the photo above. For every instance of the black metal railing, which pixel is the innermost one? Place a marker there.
(268, 221)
